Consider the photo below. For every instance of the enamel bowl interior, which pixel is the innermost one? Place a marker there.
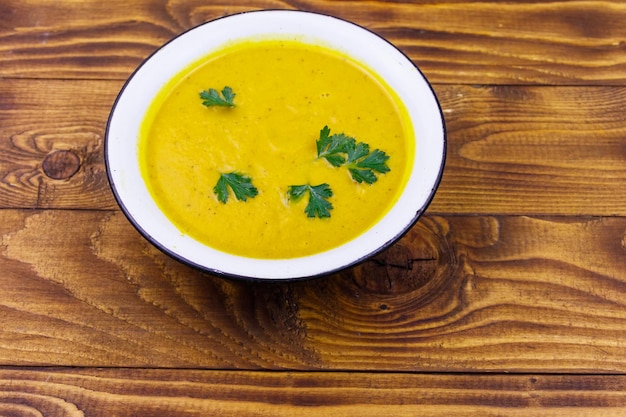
(361, 44)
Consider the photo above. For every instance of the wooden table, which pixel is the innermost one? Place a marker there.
(507, 298)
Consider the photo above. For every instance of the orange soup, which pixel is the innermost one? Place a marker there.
(288, 97)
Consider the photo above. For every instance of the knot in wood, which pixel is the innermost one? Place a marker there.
(420, 264)
(61, 164)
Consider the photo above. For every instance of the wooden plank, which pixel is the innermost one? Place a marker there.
(533, 150)
(561, 42)
(146, 393)
(511, 150)
(479, 293)
(41, 119)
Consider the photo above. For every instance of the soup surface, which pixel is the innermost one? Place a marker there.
(286, 92)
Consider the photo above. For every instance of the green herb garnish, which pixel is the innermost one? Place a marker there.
(363, 169)
(240, 184)
(333, 147)
(318, 205)
(362, 164)
(211, 97)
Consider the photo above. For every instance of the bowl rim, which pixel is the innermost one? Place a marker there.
(114, 179)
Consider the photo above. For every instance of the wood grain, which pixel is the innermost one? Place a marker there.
(38, 119)
(146, 393)
(511, 149)
(561, 42)
(534, 150)
(455, 294)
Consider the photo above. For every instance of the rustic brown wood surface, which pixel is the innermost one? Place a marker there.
(507, 298)
(148, 393)
(495, 42)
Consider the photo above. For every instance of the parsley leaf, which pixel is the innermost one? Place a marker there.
(362, 169)
(362, 164)
(363, 175)
(318, 205)
(240, 184)
(332, 147)
(211, 97)
(357, 151)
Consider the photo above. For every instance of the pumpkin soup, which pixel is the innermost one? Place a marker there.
(275, 149)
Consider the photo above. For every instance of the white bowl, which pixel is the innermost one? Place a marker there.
(364, 46)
